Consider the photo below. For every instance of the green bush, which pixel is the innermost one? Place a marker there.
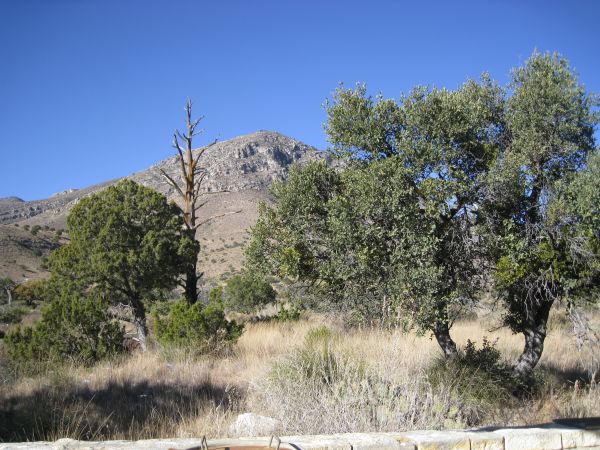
(32, 291)
(291, 313)
(196, 327)
(35, 229)
(72, 328)
(478, 377)
(247, 292)
(12, 314)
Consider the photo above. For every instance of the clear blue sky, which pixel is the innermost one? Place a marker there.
(92, 90)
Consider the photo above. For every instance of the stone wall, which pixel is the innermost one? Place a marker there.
(544, 437)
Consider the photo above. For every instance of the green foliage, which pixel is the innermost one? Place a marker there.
(247, 293)
(72, 328)
(12, 314)
(478, 376)
(32, 291)
(35, 229)
(196, 327)
(290, 313)
(535, 221)
(128, 244)
(126, 240)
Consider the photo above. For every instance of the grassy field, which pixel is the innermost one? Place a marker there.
(334, 380)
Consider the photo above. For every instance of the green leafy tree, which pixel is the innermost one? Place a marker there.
(394, 227)
(126, 242)
(72, 327)
(248, 292)
(550, 124)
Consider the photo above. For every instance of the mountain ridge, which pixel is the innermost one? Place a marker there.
(240, 173)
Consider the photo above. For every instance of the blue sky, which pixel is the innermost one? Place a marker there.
(92, 90)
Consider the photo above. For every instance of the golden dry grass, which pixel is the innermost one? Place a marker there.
(158, 394)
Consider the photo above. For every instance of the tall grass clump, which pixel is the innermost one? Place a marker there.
(322, 387)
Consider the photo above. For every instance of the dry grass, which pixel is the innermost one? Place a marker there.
(382, 385)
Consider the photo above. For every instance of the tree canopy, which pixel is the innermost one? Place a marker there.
(439, 190)
(126, 242)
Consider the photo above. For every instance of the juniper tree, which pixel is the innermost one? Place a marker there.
(126, 242)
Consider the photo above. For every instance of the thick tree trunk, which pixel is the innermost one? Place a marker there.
(139, 321)
(535, 334)
(441, 331)
(191, 285)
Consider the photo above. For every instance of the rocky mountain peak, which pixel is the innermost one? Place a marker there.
(251, 161)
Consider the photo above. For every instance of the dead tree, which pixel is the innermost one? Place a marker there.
(188, 189)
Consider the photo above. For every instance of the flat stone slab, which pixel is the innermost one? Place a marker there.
(554, 436)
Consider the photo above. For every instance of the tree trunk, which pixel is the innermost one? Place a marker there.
(441, 331)
(535, 334)
(191, 284)
(139, 321)
(9, 294)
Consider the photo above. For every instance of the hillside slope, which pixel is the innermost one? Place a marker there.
(240, 172)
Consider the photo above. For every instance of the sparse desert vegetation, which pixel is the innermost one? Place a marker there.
(438, 268)
(314, 375)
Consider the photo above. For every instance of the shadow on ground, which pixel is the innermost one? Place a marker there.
(117, 410)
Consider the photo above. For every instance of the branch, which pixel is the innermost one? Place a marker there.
(180, 151)
(196, 208)
(201, 150)
(172, 183)
(199, 184)
(216, 217)
(182, 136)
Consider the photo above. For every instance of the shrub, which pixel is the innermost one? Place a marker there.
(12, 314)
(478, 377)
(196, 327)
(72, 328)
(31, 291)
(247, 292)
(291, 313)
(35, 229)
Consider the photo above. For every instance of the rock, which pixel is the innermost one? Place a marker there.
(253, 425)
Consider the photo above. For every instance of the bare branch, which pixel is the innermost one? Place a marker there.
(182, 136)
(196, 208)
(180, 151)
(199, 185)
(216, 192)
(172, 183)
(201, 150)
(216, 217)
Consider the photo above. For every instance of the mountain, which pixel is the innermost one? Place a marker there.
(240, 172)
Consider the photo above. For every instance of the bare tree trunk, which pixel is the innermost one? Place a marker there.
(139, 321)
(9, 293)
(441, 331)
(535, 335)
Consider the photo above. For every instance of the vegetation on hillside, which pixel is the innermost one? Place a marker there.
(441, 200)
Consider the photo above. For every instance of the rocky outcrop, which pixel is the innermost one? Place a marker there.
(251, 161)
